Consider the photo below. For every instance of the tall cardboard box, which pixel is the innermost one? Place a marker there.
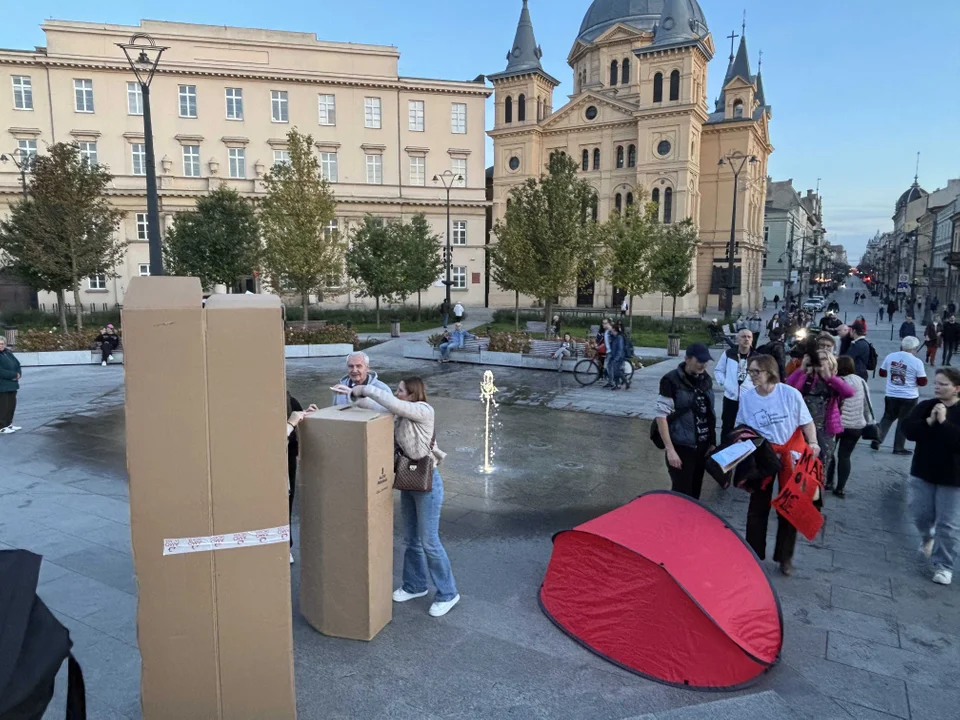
(346, 521)
(206, 459)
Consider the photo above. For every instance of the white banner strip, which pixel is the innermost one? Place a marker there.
(270, 536)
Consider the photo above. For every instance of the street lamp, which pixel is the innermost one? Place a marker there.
(448, 178)
(24, 162)
(143, 54)
(736, 160)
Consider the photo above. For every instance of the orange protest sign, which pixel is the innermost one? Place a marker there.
(795, 501)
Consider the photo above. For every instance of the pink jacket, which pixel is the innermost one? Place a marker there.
(841, 391)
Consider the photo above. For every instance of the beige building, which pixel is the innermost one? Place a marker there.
(639, 124)
(222, 103)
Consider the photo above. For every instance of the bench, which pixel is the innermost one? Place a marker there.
(546, 348)
(536, 327)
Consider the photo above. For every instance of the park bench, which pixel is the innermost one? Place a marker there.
(95, 355)
(546, 348)
(536, 327)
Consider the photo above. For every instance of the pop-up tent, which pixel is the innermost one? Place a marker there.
(666, 589)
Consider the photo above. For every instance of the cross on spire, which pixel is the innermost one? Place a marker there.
(760, 62)
(744, 26)
(732, 37)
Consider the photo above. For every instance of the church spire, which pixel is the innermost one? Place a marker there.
(677, 26)
(525, 54)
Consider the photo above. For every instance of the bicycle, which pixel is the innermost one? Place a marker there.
(587, 372)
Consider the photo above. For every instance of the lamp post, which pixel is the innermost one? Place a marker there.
(736, 160)
(448, 178)
(143, 54)
(23, 161)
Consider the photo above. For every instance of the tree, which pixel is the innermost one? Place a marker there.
(299, 252)
(374, 260)
(672, 261)
(219, 242)
(630, 241)
(65, 229)
(546, 220)
(510, 256)
(421, 258)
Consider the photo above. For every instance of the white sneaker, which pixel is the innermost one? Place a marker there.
(15, 428)
(927, 547)
(439, 609)
(110, 358)
(8, 430)
(103, 364)
(291, 558)
(943, 577)
(401, 595)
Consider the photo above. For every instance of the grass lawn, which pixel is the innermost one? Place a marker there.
(641, 338)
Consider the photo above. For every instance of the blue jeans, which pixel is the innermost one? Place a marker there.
(420, 516)
(445, 350)
(935, 510)
(446, 317)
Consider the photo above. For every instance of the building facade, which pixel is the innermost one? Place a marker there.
(639, 125)
(223, 101)
(792, 229)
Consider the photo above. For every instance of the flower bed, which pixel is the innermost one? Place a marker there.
(328, 335)
(514, 342)
(53, 340)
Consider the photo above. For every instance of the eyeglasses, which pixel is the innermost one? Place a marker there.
(754, 372)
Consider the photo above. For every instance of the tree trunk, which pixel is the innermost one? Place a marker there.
(673, 315)
(62, 300)
(516, 308)
(76, 300)
(378, 312)
(631, 314)
(305, 301)
(418, 306)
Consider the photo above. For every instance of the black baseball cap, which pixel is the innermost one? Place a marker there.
(700, 352)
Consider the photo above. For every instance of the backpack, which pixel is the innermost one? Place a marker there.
(872, 358)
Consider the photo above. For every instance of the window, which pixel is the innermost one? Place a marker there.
(764, 261)
(625, 72)
(614, 72)
(371, 112)
(188, 101)
(632, 156)
(374, 169)
(88, 152)
(508, 110)
(586, 160)
(97, 282)
(415, 108)
(655, 198)
(23, 92)
(596, 159)
(618, 202)
(281, 157)
(327, 107)
(459, 167)
(658, 87)
(238, 162)
(143, 269)
(459, 236)
(27, 148)
(738, 108)
(629, 199)
(279, 106)
(521, 108)
(458, 276)
(458, 118)
(83, 95)
(138, 156)
(668, 206)
(675, 85)
(328, 166)
(418, 171)
(134, 99)
(766, 235)
(619, 157)
(234, 103)
(143, 227)
(331, 229)
(191, 160)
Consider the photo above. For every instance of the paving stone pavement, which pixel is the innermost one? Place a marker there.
(867, 635)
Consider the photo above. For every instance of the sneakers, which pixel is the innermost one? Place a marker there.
(927, 547)
(400, 595)
(110, 358)
(103, 363)
(439, 609)
(903, 452)
(8, 430)
(940, 577)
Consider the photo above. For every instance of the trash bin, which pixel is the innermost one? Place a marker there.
(395, 327)
(673, 345)
(11, 336)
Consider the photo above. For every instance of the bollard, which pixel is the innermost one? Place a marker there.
(395, 328)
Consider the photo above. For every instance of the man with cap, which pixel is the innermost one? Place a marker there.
(687, 420)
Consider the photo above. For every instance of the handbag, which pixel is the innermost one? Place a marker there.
(871, 431)
(414, 475)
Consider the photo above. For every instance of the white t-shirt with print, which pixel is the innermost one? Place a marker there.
(776, 416)
(902, 370)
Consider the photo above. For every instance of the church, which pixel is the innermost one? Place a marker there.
(640, 126)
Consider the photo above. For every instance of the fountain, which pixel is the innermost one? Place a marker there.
(487, 391)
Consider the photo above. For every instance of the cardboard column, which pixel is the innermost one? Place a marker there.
(346, 521)
(208, 513)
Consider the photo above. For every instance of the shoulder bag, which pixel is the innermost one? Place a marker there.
(414, 475)
(872, 431)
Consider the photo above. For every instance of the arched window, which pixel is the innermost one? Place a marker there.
(658, 87)
(675, 85)
(596, 159)
(521, 108)
(619, 157)
(629, 199)
(614, 73)
(668, 206)
(594, 207)
(655, 199)
(625, 72)
(738, 108)
(632, 156)
(618, 202)
(586, 160)
(508, 110)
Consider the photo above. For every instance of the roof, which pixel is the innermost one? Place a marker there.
(524, 56)
(914, 192)
(678, 27)
(640, 14)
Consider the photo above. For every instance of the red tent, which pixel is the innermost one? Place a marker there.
(664, 588)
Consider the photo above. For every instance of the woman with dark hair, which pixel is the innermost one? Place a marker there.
(856, 413)
(933, 490)
(414, 436)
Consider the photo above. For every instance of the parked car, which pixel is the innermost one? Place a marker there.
(814, 304)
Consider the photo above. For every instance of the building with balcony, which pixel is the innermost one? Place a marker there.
(792, 226)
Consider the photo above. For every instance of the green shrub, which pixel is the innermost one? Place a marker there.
(641, 323)
(509, 342)
(52, 340)
(329, 335)
(366, 316)
(435, 339)
(24, 319)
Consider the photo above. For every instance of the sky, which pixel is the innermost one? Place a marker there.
(858, 87)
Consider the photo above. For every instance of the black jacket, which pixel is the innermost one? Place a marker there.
(951, 332)
(683, 389)
(936, 458)
(776, 350)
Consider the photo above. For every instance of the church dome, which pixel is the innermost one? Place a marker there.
(641, 14)
(914, 192)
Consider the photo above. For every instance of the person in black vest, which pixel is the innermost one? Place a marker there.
(687, 421)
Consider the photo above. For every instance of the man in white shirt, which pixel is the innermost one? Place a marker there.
(458, 312)
(624, 308)
(905, 376)
(731, 374)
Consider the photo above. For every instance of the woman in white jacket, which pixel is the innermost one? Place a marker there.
(420, 512)
(856, 413)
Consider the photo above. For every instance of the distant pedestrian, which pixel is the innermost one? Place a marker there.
(624, 308)
(950, 333)
(891, 309)
(564, 351)
(556, 326)
(445, 312)
(905, 376)
(933, 490)
(755, 325)
(856, 298)
(731, 374)
(856, 412)
(775, 348)
(9, 387)
(880, 313)
(776, 302)
(931, 340)
(109, 341)
(616, 356)
(458, 313)
(907, 328)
